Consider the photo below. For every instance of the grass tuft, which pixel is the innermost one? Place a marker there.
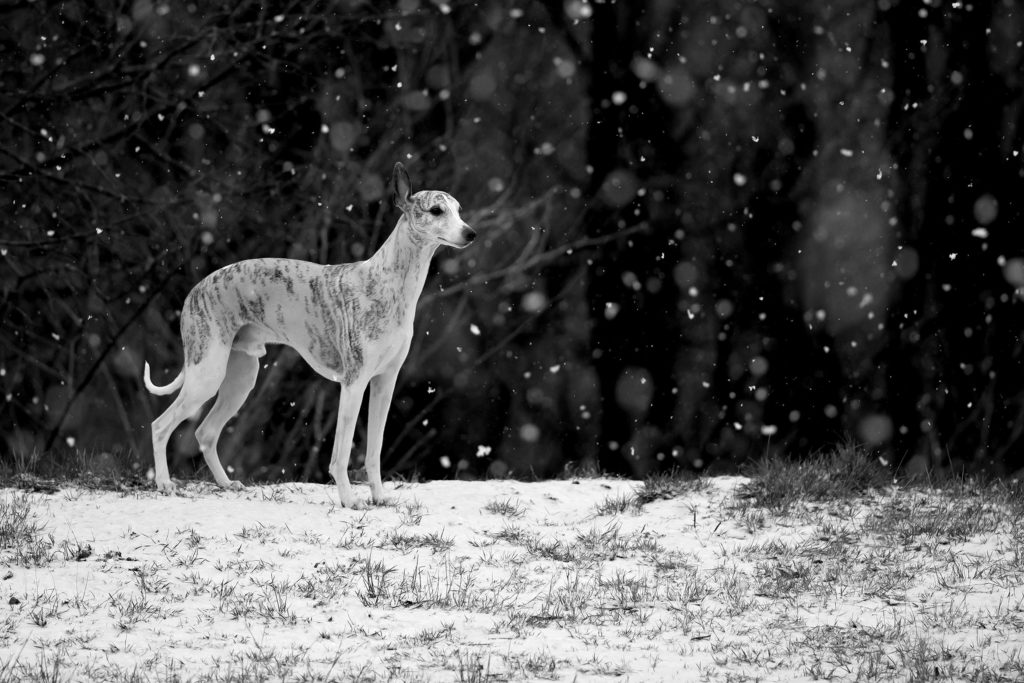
(21, 534)
(846, 472)
(668, 486)
(437, 542)
(954, 518)
(506, 508)
(616, 505)
(16, 524)
(49, 471)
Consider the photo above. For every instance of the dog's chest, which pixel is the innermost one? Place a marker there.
(355, 324)
(374, 310)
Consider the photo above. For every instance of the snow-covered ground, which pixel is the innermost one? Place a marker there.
(500, 580)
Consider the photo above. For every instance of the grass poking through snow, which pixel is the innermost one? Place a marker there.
(819, 570)
(776, 483)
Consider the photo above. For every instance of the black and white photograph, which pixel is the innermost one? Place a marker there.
(511, 340)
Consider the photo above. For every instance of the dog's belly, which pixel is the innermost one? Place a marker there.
(341, 366)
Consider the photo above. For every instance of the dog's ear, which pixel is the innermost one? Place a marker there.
(400, 187)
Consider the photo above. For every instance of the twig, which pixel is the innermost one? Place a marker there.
(94, 368)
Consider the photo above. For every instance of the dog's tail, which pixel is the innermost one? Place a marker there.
(167, 388)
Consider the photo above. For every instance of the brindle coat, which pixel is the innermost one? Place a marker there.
(352, 323)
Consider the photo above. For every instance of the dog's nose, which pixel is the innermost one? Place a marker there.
(468, 234)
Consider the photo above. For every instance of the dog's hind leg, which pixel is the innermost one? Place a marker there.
(162, 428)
(201, 382)
(239, 379)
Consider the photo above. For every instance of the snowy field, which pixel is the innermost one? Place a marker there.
(502, 580)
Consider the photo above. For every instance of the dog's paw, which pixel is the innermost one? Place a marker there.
(352, 503)
(384, 502)
(235, 485)
(166, 487)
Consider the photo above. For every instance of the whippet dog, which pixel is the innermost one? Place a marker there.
(351, 322)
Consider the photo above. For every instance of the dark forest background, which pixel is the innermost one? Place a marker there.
(710, 229)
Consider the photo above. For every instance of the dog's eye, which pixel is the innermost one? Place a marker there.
(436, 210)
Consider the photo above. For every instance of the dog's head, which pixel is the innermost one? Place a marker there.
(432, 215)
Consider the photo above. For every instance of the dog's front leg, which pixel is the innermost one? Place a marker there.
(381, 389)
(348, 412)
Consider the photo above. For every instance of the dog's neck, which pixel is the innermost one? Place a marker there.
(403, 262)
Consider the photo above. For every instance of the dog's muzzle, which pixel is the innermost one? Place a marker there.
(468, 235)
